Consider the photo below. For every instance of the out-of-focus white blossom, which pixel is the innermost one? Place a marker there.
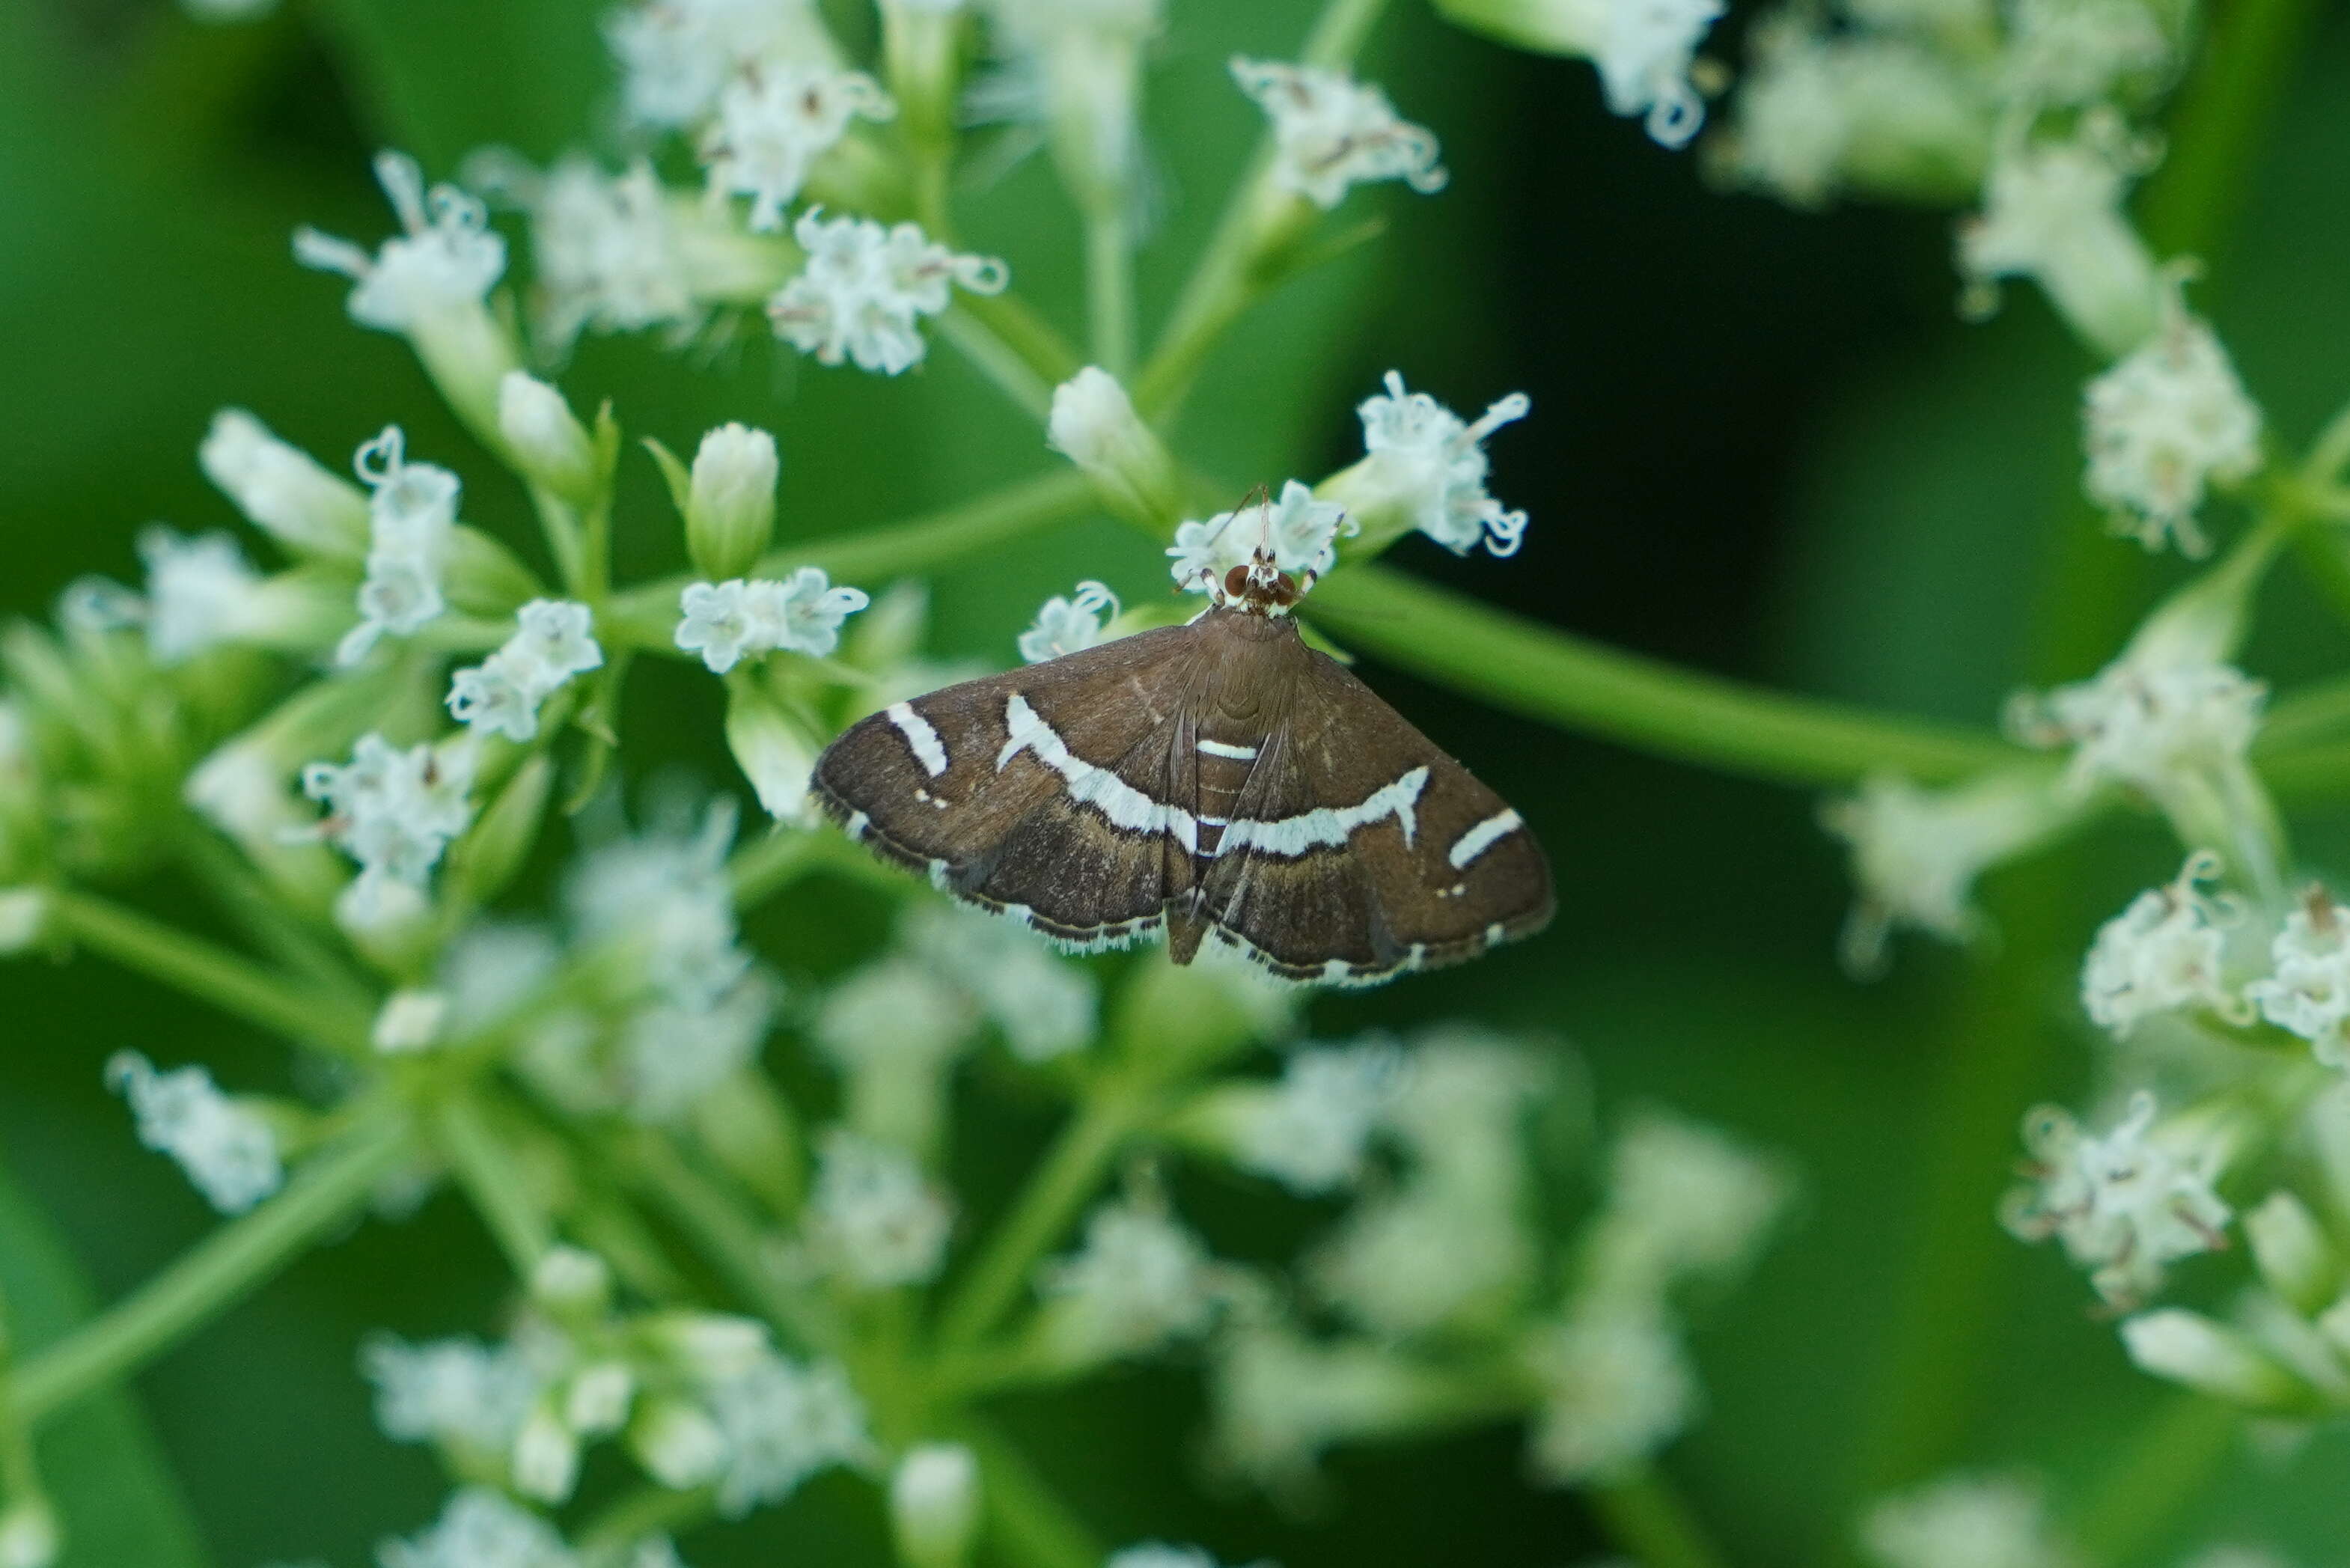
(480, 1529)
(1645, 50)
(676, 57)
(873, 1217)
(411, 520)
(1093, 423)
(865, 289)
(1331, 132)
(445, 257)
(935, 1505)
(2125, 1204)
(554, 642)
(227, 1149)
(1312, 1131)
(2217, 1360)
(1160, 1554)
(1141, 1280)
(200, 592)
(283, 490)
(1281, 1400)
(454, 1391)
(1426, 468)
(2307, 989)
(773, 122)
(2062, 54)
(393, 810)
(2148, 724)
(608, 253)
(1298, 531)
(1044, 1005)
(1069, 625)
(1683, 1201)
(2164, 424)
(1964, 1521)
(783, 1421)
(1616, 1386)
(741, 618)
(2163, 954)
(2053, 212)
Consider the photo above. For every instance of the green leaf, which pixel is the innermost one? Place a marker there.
(102, 1466)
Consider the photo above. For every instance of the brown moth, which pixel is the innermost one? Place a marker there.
(1219, 777)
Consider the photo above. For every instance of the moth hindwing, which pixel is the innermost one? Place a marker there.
(1218, 777)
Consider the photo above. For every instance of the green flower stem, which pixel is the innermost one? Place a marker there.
(212, 1276)
(1563, 679)
(1340, 32)
(2243, 63)
(1110, 289)
(2317, 713)
(648, 1511)
(997, 360)
(646, 616)
(501, 1193)
(1645, 1515)
(1069, 1174)
(209, 859)
(1026, 1520)
(2165, 1468)
(729, 1234)
(2311, 774)
(229, 980)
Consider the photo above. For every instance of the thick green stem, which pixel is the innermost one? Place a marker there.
(229, 980)
(1647, 1517)
(2165, 1467)
(647, 616)
(1563, 679)
(1026, 1518)
(218, 1270)
(501, 1193)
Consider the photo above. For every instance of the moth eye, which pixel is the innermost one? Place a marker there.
(1236, 581)
(1284, 589)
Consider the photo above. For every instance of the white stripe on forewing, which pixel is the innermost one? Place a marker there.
(928, 749)
(1125, 806)
(1332, 825)
(1223, 749)
(1484, 837)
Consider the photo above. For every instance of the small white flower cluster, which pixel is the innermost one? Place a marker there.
(1427, 462)
(479, 1528)
(2125, 1205)
(283, 490)
(677, 57)
(773, 122)
(2053, 212)
(874, 1219)
(865, 289)
(782, 1422)
(741, 618)
(1312, 1131)
(1964, 1521)
(445, 259)
(2308, 988)
(411, 521)
(1644, 51)
(1916, 852)
(200, 593)
(1160, 1554)
(1331, 132)
(502, 694)
(2147, 722)
(1069, 625)
(227, 1148)
(2163, 424)
(2163, 954)
(1140, 1281)
(1298, 531)
(393, 810)
(606, 254)
(1044, 1005)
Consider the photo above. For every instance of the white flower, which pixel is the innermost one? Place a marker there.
(2123, 1205)
(1069, 625)
(872, 1215)
(783, 1422)
(2225, 1363)
(554, 642)
(226, 1149)
(393, 810)
(1311, 1134)
(608, 253)
(1683, 1201)
(2066, 53)
(1044, 1005)
(411, 521)
(1819, 113)
(1643, 50)
(446, 255)
(2309, 990)
(750, 618)
(1331, 131)
(1093, 423)
(1141, 1281)
(450, 1391)
(663, 899)
(729, 509)
(1434, 1254)
(2052, 210)
(1916, 852)
(1298, 531)
(774, 121)
(2147, 722)
(410, 1019)
(1968, 1522)
(672, 1057)
(1427, 463)
(480, 1529)
(935, 1505)
(1158, 1554)
(675, 56)
(1616, 1386)
(865, 288)
(1280, 1399)
(282, 489)
(2161, 954)
(29, 1536)
(200, 593)
(2162, 425)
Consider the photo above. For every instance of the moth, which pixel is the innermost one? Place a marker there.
(1216, 777)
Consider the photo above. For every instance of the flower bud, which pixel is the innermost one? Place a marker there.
(546, 1457)
(283, 491)
(934, 1506)
(29, 1537)
(389, 921)
(409, 1019)
(678, 1446)
(485, 859)
(2211, 1358)
(2294, 1255)
(730, 508)
(1095, 426)
(597, 1401)
(776, 753)
(544, 439)
(24, 916)
(706, 1346)
(571, 1283)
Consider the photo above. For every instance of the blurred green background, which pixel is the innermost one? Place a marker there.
(1761, 444)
